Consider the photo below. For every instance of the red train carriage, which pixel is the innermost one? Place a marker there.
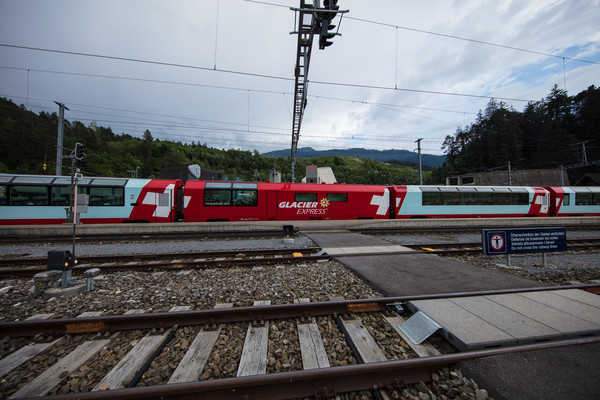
(245, 201)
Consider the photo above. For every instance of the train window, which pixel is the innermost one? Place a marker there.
(3, 197)
(63, 180)
(217, 197)
(450, 199)
(596, 199)
(567, 199)
(486, 199)
(247, 198)
(106, 196)
(305, 197)
(583, 199)
(469, 199)
(502, 199)
(432, 199)
(29, 196)
(521, 199)
(60, 195)
(337, 197)
(32, 180)
(112, 182)
(245, 186)
(164, 199)
(221, 194)
(217, 185)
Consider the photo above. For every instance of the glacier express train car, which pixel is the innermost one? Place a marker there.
(44, 199)
(259, 201)
(574, 201)
(469, 201)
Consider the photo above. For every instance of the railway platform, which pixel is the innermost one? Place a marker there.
(66, 230)
(551, 374)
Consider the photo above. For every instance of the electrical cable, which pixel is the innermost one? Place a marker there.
(226, 88)
(256, 75)
(455, 37)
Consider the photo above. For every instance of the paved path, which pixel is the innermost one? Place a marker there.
(555, 374)
(412, 274)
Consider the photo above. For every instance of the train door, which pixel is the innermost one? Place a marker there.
(164, 202)
(271, 204)
(541, 202)
(545, 209)
(179, 202)
(164, 205)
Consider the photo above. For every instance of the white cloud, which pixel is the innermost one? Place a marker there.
(225, 109)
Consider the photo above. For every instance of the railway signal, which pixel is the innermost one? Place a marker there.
(79, 154)
(326, 30)
(325, 35)
(79, 151)
(312, 20)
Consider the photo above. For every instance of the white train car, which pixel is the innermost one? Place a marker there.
(574, 201)
(470, 201)
(45, 199)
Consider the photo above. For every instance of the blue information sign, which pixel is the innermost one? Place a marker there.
(523, 240)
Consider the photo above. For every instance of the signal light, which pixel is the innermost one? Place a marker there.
(326, 26)
(331, 4)
(61, 260)
(79, 151)
(325, 35)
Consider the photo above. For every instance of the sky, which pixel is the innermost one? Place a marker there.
(221, 72)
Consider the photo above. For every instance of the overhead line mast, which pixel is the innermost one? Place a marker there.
(312, 19)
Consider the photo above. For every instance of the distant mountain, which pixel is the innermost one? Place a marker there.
(403, 156)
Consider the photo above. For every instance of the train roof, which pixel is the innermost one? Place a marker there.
(54, 180)
(580, 189)
(331, 187)
(472, 189)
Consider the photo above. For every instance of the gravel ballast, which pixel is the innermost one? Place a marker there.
(118, 292)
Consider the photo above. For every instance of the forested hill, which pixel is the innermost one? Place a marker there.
(401, 156)
(549, 133)
(546, 134)
(28, 142)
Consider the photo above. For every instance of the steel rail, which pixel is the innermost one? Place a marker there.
(418, 249)
(151, 256)
(589, 241)
(323, 381)
(178, 265)
(236, 314)
(81, 237)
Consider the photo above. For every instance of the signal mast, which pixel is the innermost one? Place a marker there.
(312, 19)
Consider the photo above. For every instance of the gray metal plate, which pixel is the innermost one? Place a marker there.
(419, 327)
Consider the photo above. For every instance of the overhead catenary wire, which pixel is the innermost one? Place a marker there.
(257, 75)
(449, 36)
(134, 120)
(222, 130)
(228, 88)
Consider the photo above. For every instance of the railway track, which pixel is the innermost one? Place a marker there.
(18, 265)
(261, 352)
(15, 266)
(144, 236)
(475, 247)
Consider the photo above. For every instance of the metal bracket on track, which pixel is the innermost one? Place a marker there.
(419, 327)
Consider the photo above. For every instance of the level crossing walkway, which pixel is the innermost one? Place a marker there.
(398, 271)
(567, 373)
(472, 323)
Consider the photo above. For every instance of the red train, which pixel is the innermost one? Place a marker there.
(29, 199)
